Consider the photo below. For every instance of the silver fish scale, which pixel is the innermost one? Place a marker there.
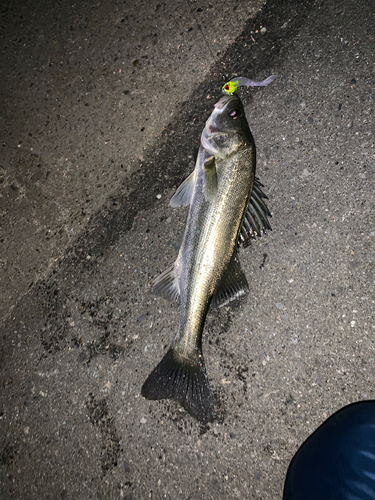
(210, 242)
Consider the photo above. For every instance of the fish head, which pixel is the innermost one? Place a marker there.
(226, 129)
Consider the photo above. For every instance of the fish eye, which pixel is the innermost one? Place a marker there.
(234, 113)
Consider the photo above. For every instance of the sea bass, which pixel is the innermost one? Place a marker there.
(226, 210)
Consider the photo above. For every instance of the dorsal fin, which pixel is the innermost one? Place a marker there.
(255, 220)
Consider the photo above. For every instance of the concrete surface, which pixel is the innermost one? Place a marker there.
(77, 346)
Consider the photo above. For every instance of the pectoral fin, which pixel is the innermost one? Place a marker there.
(210, 179)
(184, 193)
(233, 285)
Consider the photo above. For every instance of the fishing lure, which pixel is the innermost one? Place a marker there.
(241, 81)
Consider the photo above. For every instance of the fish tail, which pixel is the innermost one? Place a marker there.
(183, 379)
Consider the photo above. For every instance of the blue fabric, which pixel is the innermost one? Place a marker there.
(337, 462)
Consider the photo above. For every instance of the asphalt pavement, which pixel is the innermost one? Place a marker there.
(87, 225)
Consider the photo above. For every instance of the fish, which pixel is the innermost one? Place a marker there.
(227, 210)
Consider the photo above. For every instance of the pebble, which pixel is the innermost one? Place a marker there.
(158, 196)
(305, 173)
(143, 420)
(263, 31)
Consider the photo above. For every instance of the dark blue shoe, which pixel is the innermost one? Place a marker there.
(337, 462)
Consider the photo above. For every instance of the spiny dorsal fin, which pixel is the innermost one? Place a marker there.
(233, 285)
(167, 285)
(256, 217)
(210, 179)
(183, 379)
(184, 193)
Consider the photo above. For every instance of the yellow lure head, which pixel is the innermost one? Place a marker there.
(230, 87)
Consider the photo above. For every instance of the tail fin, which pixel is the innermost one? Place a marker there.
(183, 379)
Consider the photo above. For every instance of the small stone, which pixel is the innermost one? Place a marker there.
(82, 357)
(263, 31)
(143, 420)
(305, 173)
(158, 196)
